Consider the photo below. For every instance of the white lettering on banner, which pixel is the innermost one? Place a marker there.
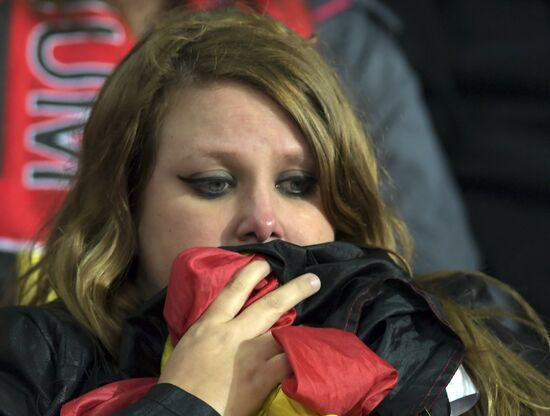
(62, 105)
(46, 37)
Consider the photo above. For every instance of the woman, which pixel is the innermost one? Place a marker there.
(218, 129)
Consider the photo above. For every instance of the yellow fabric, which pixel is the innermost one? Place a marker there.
(276, 404)
(279, 404)
(24, 261)
(168, 348)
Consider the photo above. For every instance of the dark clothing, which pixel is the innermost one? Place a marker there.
(46, 359)
(364, 292)
(49, 359)
(485, 67)
(473, 290)
(359, 41)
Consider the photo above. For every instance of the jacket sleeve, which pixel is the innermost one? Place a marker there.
(30, 382)
(166, 399)
(47, 360)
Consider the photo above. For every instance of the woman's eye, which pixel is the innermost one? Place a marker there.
(210, 186)
(300, 186)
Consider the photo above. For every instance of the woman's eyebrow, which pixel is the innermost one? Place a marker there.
(296, 156)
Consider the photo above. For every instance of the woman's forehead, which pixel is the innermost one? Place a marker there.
(227, 118)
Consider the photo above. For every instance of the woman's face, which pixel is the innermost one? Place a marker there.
(232, 168)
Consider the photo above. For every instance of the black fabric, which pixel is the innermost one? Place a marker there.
(49, 359)
(7, 278)
(485, 67)
(475, 291)
(365, 292)
(359, 42)
(145, 333)
(46, 358)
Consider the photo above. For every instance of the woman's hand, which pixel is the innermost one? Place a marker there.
(229, 361)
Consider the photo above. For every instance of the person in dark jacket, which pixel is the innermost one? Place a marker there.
(227, 129)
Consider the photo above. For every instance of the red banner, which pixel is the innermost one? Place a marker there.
(55, 62)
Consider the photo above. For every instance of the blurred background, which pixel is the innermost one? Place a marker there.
(485, 73)
(455, 93)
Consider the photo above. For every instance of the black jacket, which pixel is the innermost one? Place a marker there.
(47, 359)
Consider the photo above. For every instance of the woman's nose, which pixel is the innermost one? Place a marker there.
(258, 219)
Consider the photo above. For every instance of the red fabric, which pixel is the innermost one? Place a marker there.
(334, 372)
(206, 271)
(27, 199)
(110, 398)
(317, 355)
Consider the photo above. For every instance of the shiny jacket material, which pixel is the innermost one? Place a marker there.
(46, 358)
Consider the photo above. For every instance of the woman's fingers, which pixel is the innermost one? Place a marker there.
(265, 347)
(262, 314)
(234, 295)
(275, 366)
(278, 368)
(230, 362)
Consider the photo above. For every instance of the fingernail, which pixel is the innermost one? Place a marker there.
(314, 281)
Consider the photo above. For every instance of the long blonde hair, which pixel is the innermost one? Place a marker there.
(90, 257)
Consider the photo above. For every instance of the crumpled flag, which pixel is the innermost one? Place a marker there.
(334, 371)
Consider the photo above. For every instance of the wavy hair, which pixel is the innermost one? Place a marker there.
(90, 259)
